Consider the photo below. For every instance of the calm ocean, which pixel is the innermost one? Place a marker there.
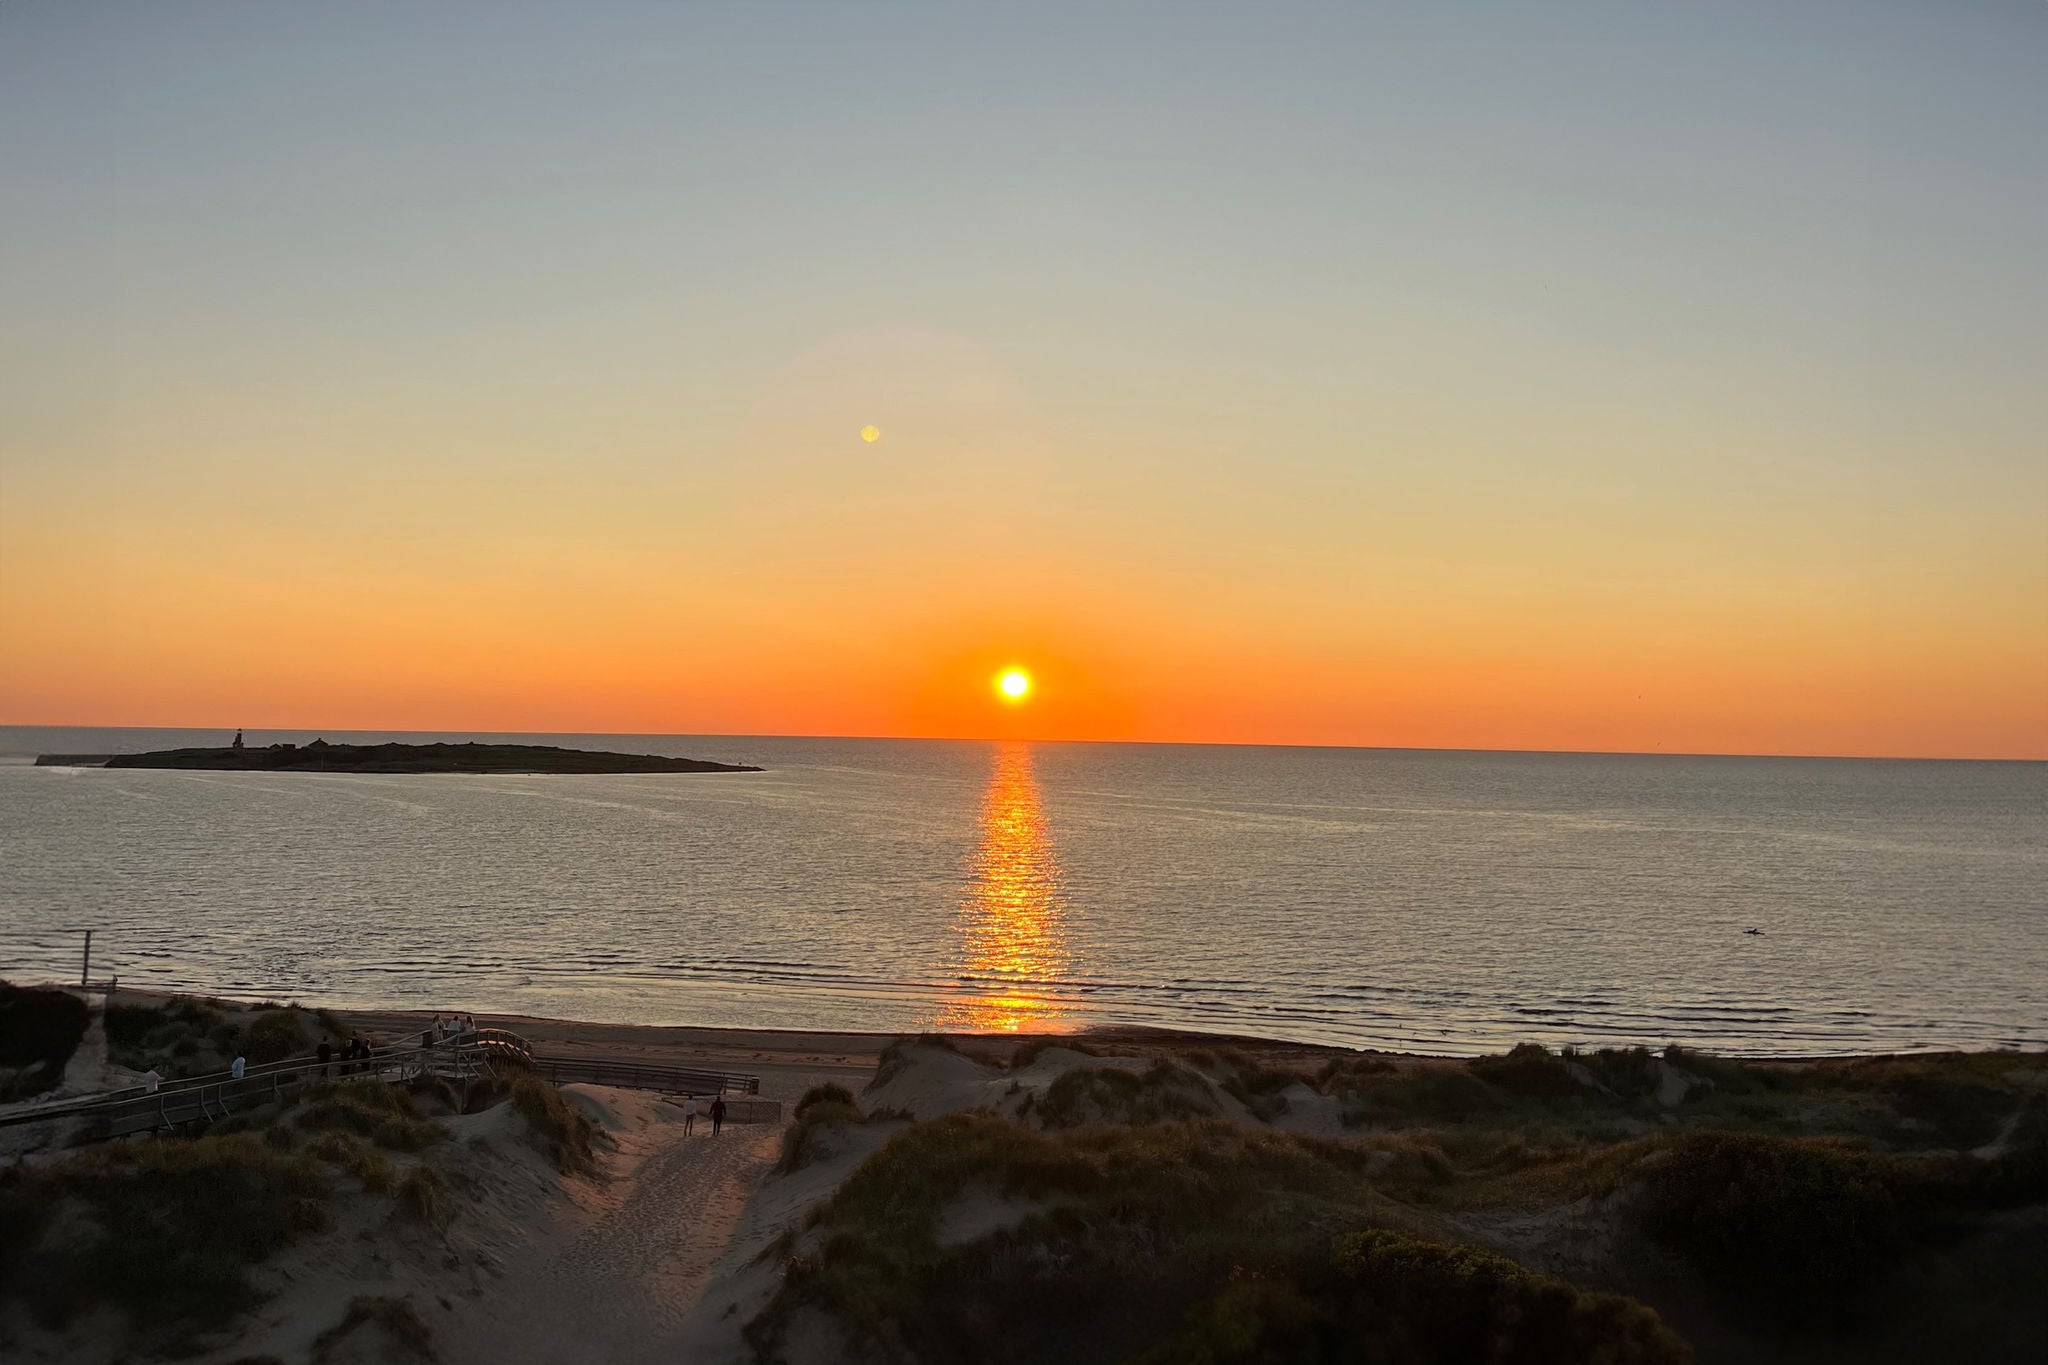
(1446, 902)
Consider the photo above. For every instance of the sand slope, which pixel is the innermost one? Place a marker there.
(614, 1272)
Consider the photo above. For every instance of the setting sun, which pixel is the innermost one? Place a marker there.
(1014, 684)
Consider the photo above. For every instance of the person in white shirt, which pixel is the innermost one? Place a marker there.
(235, 1070)
(150, 1081)
(689, 1113)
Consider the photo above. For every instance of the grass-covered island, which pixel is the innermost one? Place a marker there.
(322, 757)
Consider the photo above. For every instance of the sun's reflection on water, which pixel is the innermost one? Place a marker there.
(1012, 940)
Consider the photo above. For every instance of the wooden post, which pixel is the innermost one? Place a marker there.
(85, 967)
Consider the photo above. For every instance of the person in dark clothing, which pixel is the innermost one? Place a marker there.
(325, 1052)
(717, 1115)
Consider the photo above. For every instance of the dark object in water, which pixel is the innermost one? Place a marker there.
(322, 757)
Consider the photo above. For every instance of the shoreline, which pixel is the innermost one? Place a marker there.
(811, 1050)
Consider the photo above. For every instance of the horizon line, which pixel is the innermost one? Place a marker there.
(1017, 739)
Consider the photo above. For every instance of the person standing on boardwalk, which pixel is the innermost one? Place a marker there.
(717, 1114)
(689, 1114)
(325, 1053)
(237, 1067)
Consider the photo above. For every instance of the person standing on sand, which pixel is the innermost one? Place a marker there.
(717, 1114)
(689, 1114)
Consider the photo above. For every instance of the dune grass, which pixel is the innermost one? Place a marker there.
(165, 1230)
(188, 1036)
(822, 1108)
(1137, 1229)
(418, 1197)
(348, 1152)
(39, 1032)
(1132, 1231)
(559, 1128)
(381, 1112)
(1381, 1295)
(1164, 1092)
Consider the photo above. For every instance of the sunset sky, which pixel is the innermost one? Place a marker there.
(1564, 376)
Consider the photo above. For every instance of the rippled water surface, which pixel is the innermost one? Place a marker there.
(1449, 902)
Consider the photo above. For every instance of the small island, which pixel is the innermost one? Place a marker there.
(322, 757)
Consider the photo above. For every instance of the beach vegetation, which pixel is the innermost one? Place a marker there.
(1164, 1092)
(1259, 1087)
(1134, 1232)
(381, 1112)
(165, 1230)
(1529, 1071)
(1382, 1295)
(40, 1030)
(1031, 1050)
(275, 1035)
(188, 1036)
(418, 1196)
(1802, 1226)
(559, 1128)
(901, 1052)
(354, 1157)
(829, 1093)
(823, 1109)
(1414, 1096)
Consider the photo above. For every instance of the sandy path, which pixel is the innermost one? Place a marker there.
(616, 1280)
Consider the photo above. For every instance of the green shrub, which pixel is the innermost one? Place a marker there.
(1529, 1072)
(1341, 1072)
(1258, 1087)
(1169, 1242)
(816, 1112)
(39, 1032)
(1799, 1226)
(1631, 1074)
(419, 1196)
(824, 1094)
(181, 1037)
(1959, 1111)
(1163, 1093)
(1388, 1296)
(1415, 1095)
(560, 1129)
(364, 1163)
(376, 1110)
(275, 1036)
(164, 1229)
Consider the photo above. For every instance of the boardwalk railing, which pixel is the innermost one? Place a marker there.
(676, 1080)
(463, 1056)
(138, 1109)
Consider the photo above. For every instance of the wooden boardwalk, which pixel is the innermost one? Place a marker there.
(460, 1058)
